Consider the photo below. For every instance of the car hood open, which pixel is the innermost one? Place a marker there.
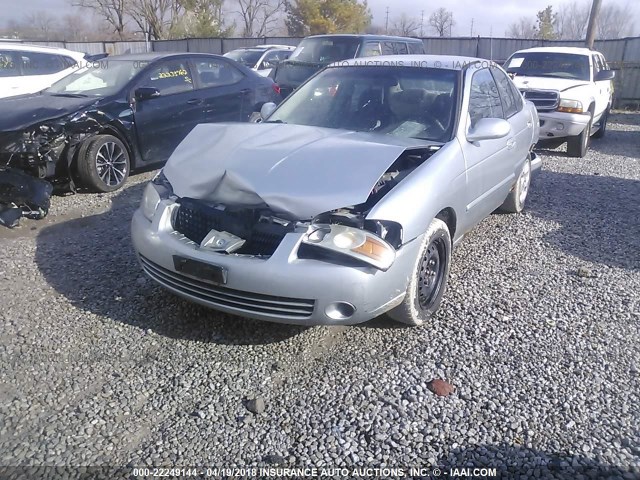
(295, 170)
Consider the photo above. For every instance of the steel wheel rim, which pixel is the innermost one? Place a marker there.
(431, 273)
(524, 180)
(111, 163)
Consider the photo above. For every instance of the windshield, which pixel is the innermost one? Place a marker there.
(400, 101)
(98, 79)
(325, 49)
(547, 64)
(248, 58)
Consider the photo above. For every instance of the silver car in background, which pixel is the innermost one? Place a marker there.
(346, 201)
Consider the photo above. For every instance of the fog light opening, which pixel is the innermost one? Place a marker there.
(339, 310)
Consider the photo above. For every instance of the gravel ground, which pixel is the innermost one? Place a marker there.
(538, 332)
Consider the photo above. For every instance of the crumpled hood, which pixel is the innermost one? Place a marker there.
(546, 83)
(23, 111)
(296, 170)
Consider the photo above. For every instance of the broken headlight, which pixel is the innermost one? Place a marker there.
(156, 190)
(353, 242)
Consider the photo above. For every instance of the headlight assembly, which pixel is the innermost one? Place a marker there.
(353, 242)
(156, 190)
(570, 106)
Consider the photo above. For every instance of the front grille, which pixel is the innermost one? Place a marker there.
(543, 99)
(238, 300)
(195, 219)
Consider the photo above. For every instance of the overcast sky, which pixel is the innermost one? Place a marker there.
(489, 16)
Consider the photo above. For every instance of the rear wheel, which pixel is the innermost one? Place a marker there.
(429, 279)
(577, 146)
(514, 203)
(103, 163)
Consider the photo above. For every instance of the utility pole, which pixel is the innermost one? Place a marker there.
(472, 27)
(421, 22)
(593, 18)
(386, 23)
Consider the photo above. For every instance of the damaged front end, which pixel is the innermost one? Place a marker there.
(47, 150)
(344, 236)
(22, 195)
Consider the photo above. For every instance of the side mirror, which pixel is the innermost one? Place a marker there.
(145, 93)
(267, 109)
(605, 75)
(488, 129)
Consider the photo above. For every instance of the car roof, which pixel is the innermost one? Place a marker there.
(39, 48)
(366, 36)
(152, 56)
(448, 62)
(264, 48)
(574, 50)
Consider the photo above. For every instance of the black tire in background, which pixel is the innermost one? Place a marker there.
(602, 125)
(577, 146)
(103, 163)
(429, 278)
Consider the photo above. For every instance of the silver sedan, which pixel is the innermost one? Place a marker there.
(345, 202)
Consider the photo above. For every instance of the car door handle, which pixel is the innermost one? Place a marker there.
(195, 101)
(511, 143)
(245, 91)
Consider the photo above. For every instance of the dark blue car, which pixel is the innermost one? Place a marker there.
(122, 113)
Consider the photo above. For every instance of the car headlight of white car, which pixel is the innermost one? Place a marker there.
(156, 190)
(353, 242)
(570, 106)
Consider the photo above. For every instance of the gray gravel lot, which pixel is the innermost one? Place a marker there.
(539, 332)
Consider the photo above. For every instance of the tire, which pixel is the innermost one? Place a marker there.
(602, 125)
(577, 146)
(103, 163)
(514, 203)
(428, 280)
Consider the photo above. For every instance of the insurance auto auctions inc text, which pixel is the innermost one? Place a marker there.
(362, 472)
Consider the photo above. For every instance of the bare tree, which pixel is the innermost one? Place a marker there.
(74, 27)
(42, 24)
(155, 17)
(523, 28)
(614, 22)
(405, 26)
(442, 21)
(572, 20)
(260, 18)
(113, 12)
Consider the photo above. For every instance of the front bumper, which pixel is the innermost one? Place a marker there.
(282, 288)
(560, 124)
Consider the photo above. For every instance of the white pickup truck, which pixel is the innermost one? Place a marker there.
(572, 89)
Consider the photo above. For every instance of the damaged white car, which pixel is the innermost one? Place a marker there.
(345, 202)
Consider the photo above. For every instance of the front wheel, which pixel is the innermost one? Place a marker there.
(602, 125)
(577, 146)
(103, 163)
(429, 279)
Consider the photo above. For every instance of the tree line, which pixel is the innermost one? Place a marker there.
(569, 22)
(95, 20)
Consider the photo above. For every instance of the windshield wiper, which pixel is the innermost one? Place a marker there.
(273, 121)
(70, 95)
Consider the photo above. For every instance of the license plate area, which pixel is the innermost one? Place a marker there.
(201, 270)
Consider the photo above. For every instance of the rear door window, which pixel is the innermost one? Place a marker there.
(371, 49)
(509, 104)
(214, 73)
(8, 65)
(416, 48)
(37, 63)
